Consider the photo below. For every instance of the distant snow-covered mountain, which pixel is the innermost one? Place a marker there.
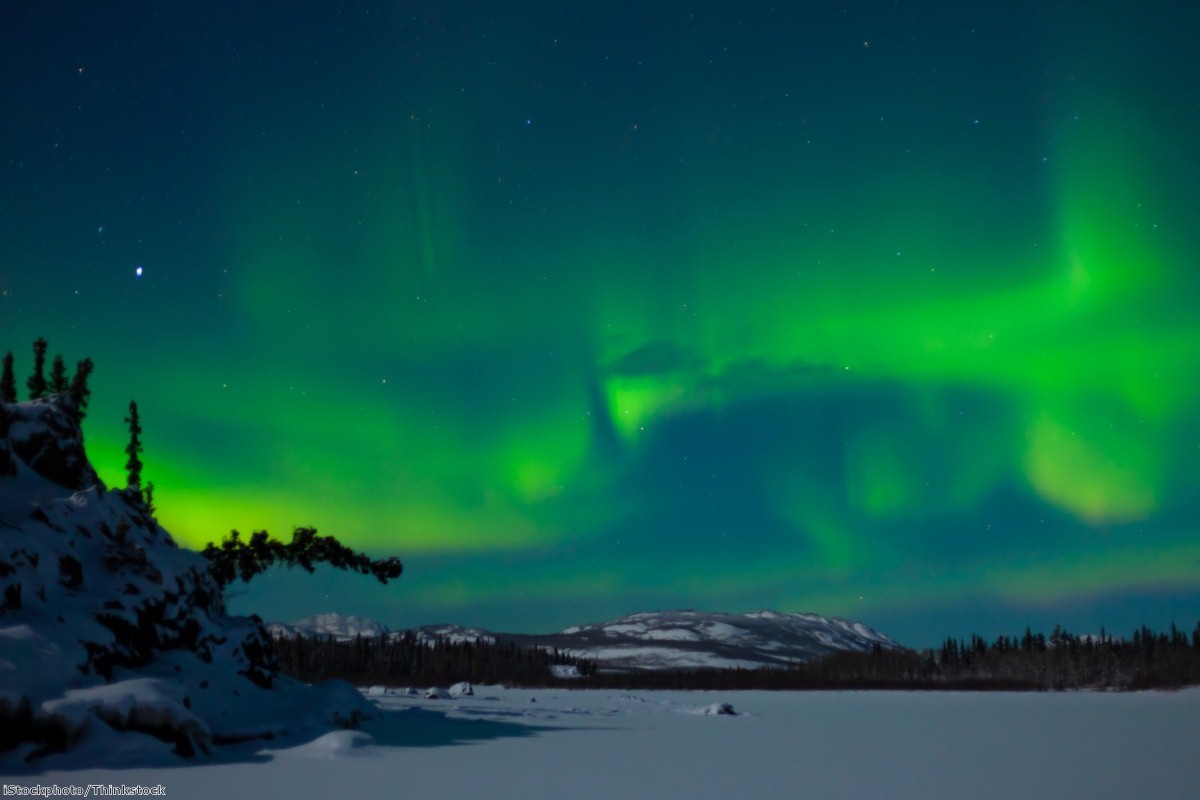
(344, 627)
(453, 633)
(338, 626)
(697, 639)
(651, 640)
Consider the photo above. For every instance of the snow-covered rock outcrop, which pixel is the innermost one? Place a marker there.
(106, 625)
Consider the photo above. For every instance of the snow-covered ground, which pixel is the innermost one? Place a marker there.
(504, 743)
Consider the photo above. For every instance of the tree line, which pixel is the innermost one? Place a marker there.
(1032, 662)
(1147, 659)
(411, 660)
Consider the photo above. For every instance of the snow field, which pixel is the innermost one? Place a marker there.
(588, 744)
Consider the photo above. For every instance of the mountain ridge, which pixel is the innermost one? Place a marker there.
(649, 640)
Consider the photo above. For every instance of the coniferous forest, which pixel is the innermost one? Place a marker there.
(410, 660)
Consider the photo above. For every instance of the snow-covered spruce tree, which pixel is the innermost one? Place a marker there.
(133, 466)
(79, 391)
(148, 498)
(37, 381)
(8, 385)
(58, 376)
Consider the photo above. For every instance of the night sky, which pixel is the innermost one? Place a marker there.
(886, 310)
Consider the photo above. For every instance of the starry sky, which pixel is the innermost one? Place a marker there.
(885, 310)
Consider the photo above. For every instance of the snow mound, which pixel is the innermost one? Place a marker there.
(717, 710)
(336, 744)
(148, 705)
(565, 671)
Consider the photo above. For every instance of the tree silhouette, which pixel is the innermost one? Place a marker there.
(134, 464)
(58, 376)
(8, 385)
(37, 381)
(148, 498)
(235, 558)
(79, 391)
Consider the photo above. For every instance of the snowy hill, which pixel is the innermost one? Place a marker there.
(696, 639)
(344, 627)
(107, 626)
(340, 627)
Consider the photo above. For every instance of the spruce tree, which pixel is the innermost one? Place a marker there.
(79, 390)
(148, 498)
(58, 376)
(37, 381)
(134, 448)
(8, 385)
(235, 558)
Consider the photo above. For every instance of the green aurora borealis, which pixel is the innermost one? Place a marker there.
(888, 312)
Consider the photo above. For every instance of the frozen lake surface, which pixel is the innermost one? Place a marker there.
(506, 743)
